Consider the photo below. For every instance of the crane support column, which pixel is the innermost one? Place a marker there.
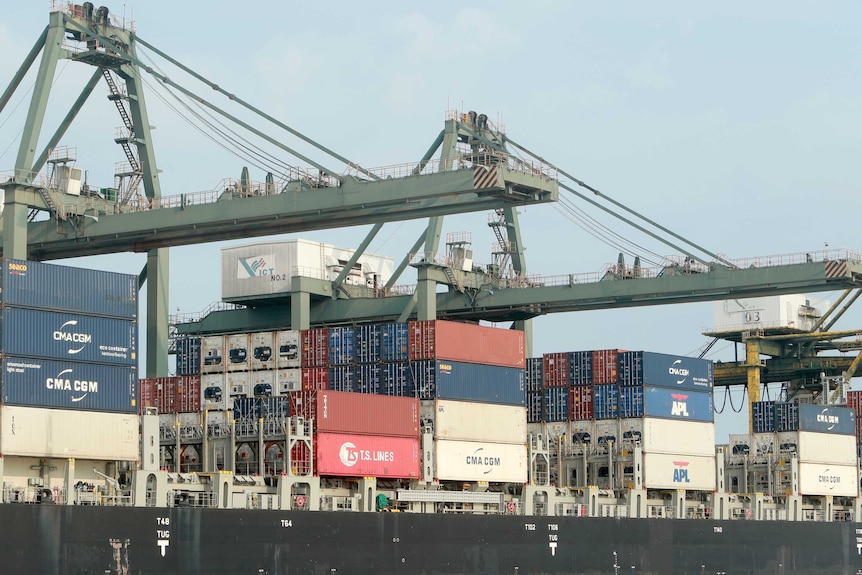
(753, 367)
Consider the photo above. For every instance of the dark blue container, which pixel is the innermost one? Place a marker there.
(534, 374)
(395, 379)
(631, 403)
(68, 336)
(366, 344)
(189, 356)
(661, 370)
(678, 404)
(69, 385)
(394, 342)
(823, 419)
(342, 378)
(430, 379)
(581, 368)
(273, 408)
(786, 416)
(367, 379)
(246, 408)
(606, 399)
(763, 416)
(535, 409)
(556, 404)
(62, 288)
(341, 341)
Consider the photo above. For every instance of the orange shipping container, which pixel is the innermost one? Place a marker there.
(466, 342)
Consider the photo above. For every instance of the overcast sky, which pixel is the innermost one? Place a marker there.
(734, 124)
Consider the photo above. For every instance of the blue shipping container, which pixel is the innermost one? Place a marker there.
(366, 344)
(631, 402)
(394, 342)
(786, 416)
(535, 409)
(430, 379)
(69, 385)
(62, 288)
(678, 404)
(67, 336)
(556, 404)
(763, 416)
(395, 379)
(189, 356)
(534, 374)
(342, 378)
(662, 370)
(246, 408)
(581, 368)
(606, 401)
(367, 379)
(341, 341)
(274, 408)
(827, 419)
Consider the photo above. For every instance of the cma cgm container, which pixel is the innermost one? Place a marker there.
(823, 479)
(367, 456)
(361, 414)
(68, 336)
(674, 471)
(467, 381)
(189, 356)
(678, 404)
(470, 421)
(661, 370)
(813, 447)
(827, 419)
(465, 342)
(62, 288)
(394, 342)
(69, 385)
(480, 461)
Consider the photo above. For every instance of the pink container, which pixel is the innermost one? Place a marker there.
(367, 456)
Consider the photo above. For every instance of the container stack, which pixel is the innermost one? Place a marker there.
(854, 402)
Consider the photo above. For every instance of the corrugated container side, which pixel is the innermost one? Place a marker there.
(367, 378)
(170, 394)
(303, 404)
(395, 379)
(786, 416)
(858, 429)
(213, 391)
(289, 380)
(534, 374)
(274, 408)
(262, 383)
(238, 384)
(467, 381)
(854, 401)
(151, 394)
(263, 352)
(69, 385)
(237, 351)
(672, 471)
(341, 340)
(827, 479)
(394, 342)
(814, 447)
(246, 409)
(605, 366)
(314, 348)
(464, 342)
(366, 345)
(763, 416)
(367, 456)
(678, 404)
(662, 370)
(581, 403)
(606, 401)
(535, 406)
(189, 356)
(475, 461)
(472, 421)
(827, 419)
(342, 378)
(288, 344)
(556, 404)
(580, 368)
(188, 394)
(315, 378)
(213, 354)
(362, 414)
(557, 370)
(673, 436)
(62, 288)
(631, 402)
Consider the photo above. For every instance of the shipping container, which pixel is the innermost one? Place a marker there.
(662, 370)
(605, 366)
(678, 404)
(786, 416)
(674, 471)
(394, 342)
(581, 368)
(212, 353)
(238, 384)
(314, 347)
(288, 346)
(263, 383)
(303, 404)
(289, 380)
(237, 351)
(395, 379)
(188, 394)
(356, 413)
(827, 479)
(367, 378)
(315, 378)
(367, 456)
(814, 447)
(61, 288)
(273, 408)
(763, 416)
(342, 378)
(467, 343)
(263, 353)
(535, 406)
(246, 409)
(581, 402)
(606, 401)
(858, 429)
(534, 374)
(556, 404)
(69, 385)
(475, 461)
(854, 401)
(366, 344)
(188, 356)
(471, 421)
(631, 402)
(341, 341)
(557, 370)
(827, 419)
(467, 381)
(62, 433)
(170, 394)
(670, 436)
(213, 391)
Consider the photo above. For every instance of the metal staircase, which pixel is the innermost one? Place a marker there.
(135, 174)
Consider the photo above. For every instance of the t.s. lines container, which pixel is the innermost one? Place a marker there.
(367, 456)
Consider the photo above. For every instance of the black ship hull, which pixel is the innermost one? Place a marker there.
(67, 540)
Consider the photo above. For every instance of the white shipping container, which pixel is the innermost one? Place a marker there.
(826, 448)
(238, 352)
(287, 349)
(238, 384)
(214, 392)
(262, 383)
(671, 436)
(288, 380)
(263, 351)
(263, 269)
(793, 311)
(825, 479)
(472, 421)
(690, 472)
(31, 431)
(213, 354)
(474, 461)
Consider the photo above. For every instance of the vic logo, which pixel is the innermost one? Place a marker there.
(678, 405)
(680, 472)
(253, 267)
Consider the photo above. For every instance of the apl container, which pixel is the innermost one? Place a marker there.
(341, 340)
(362, 414)
(394, 342)
(61, 288)
(68, 336)
(606, 401)
(189, 356)
(467, 381)
(395, 379)
(661, 370)
(69, 385)
(534, 374)
(678, 404)
(689, 472)
(367, 456)
(472, 421)
(581, 403)
(467, 343)
(314, 347)
(556, 404)
(366, 344)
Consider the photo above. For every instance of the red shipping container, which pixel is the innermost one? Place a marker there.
(314, 378)
(366, 414)
(300, 459)
(556, 370)
(854, 402)
(367, 456)
(315, 347)
(581, 403)
(301, 404)
(158, 392)
(466, 342)
(605, 366)
(188, 394)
